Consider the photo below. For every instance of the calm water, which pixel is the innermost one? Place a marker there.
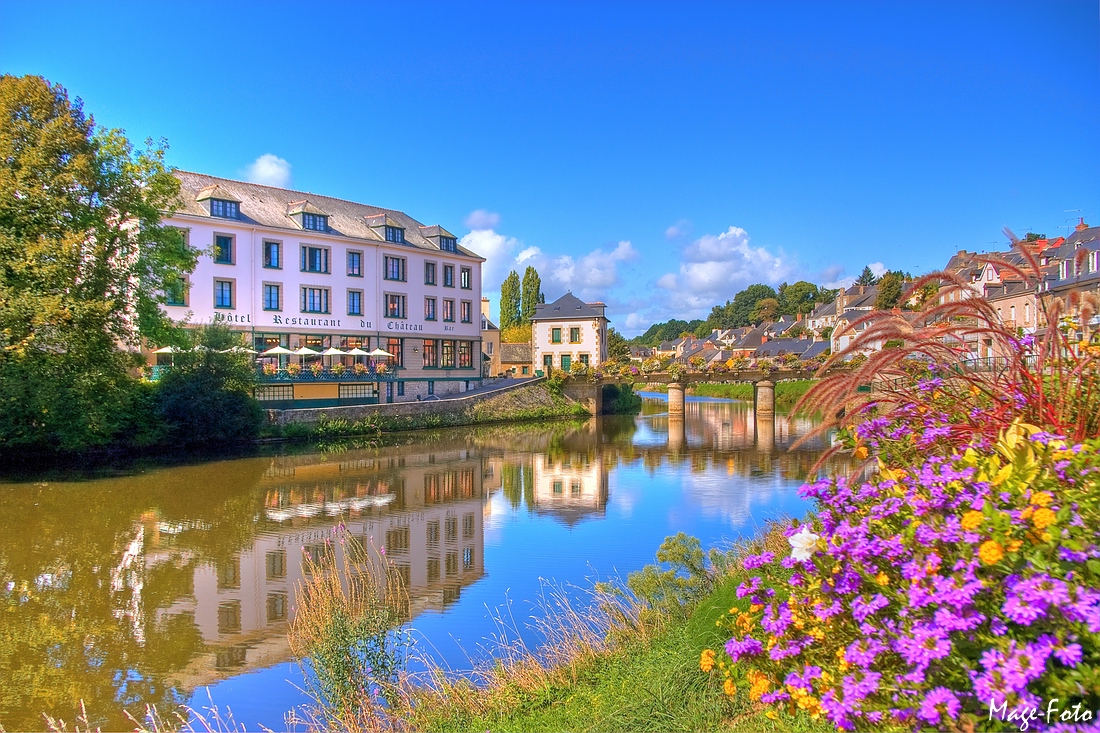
(174, 584)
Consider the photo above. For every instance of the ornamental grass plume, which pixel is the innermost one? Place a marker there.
(1050, 378)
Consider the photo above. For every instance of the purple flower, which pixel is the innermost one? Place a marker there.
(940, 704)
(925, 645)
(746, 647)
(1069, 655)
(754, 561)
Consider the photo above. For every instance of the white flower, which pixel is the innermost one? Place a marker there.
(803, 543)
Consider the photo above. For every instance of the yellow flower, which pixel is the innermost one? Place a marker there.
(756, 607)
(758, 684)
(1015, 545)
(1026, 513)
(972, 520)
(882, 579)
(729, 688)
(991, 552)
(1045, 537)
(1042, 498)
(1043, 518)
(771, 714)
(706, 660)
(862, 452)
(974, 391)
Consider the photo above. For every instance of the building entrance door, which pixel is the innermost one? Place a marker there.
(389, 391)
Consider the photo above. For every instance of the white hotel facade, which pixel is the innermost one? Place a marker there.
(296, 269)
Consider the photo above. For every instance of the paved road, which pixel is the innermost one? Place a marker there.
(494, 385)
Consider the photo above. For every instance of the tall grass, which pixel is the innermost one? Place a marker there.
(1050, 378)
(344, 630)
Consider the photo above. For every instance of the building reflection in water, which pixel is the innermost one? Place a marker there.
(425, 509)
(178, 577)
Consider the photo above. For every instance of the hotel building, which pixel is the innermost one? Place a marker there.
(293, 269)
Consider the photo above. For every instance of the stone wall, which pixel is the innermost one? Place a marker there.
(525, 401)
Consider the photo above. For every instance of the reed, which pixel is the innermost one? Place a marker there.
(1029, 379)
(344, 630)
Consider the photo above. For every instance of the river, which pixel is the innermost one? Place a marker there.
(175, 584)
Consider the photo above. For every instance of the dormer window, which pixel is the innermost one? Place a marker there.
(395, 234)
(314, 222)
(448, 244)
(225, 209)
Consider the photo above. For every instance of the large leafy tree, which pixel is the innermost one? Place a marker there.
(510, 305)
(84, 263)
(799, 297)
(617, 347)
(890, 289)
(744, 303)
(531, 295)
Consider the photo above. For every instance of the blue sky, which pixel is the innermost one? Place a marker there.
(656, 157)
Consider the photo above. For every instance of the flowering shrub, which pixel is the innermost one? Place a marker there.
(338, 368)
(697, 363)
(381, 367)
(932, 591)
(293, 369)
(316, 368)
(271, 369)
(359, 369)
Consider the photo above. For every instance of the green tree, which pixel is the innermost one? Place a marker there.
(890, 289)
(801, 297)
(531, 294)
(618, 350)
(84, 265)
(866, 277)
(206, 398)
(766, 309)
(740, 310)
(510, 306)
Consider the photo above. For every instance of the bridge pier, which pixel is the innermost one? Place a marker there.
(675, 399)
(764, 414)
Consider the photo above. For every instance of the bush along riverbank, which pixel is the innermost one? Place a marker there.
(539, 401)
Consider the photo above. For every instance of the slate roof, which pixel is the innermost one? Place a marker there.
(825, 309)
(515, 353)
(568, 306)
(776, 347)
(816, 349)
(270, 207)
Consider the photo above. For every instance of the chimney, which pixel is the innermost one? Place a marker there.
(861, 289)
(485, 307)
(1081, 225)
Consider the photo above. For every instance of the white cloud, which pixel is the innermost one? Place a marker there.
(498, 251)
(270, 170)
(482, 219)
(681, 228)
(590, 275)
(528, 254)
(715, 267)
(878, 269)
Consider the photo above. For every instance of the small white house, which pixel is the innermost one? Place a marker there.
(568, 331)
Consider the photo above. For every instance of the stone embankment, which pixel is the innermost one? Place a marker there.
(525, 401)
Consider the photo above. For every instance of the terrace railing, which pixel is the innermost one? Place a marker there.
(368, 374)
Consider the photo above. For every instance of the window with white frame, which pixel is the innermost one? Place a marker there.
(465, 280)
